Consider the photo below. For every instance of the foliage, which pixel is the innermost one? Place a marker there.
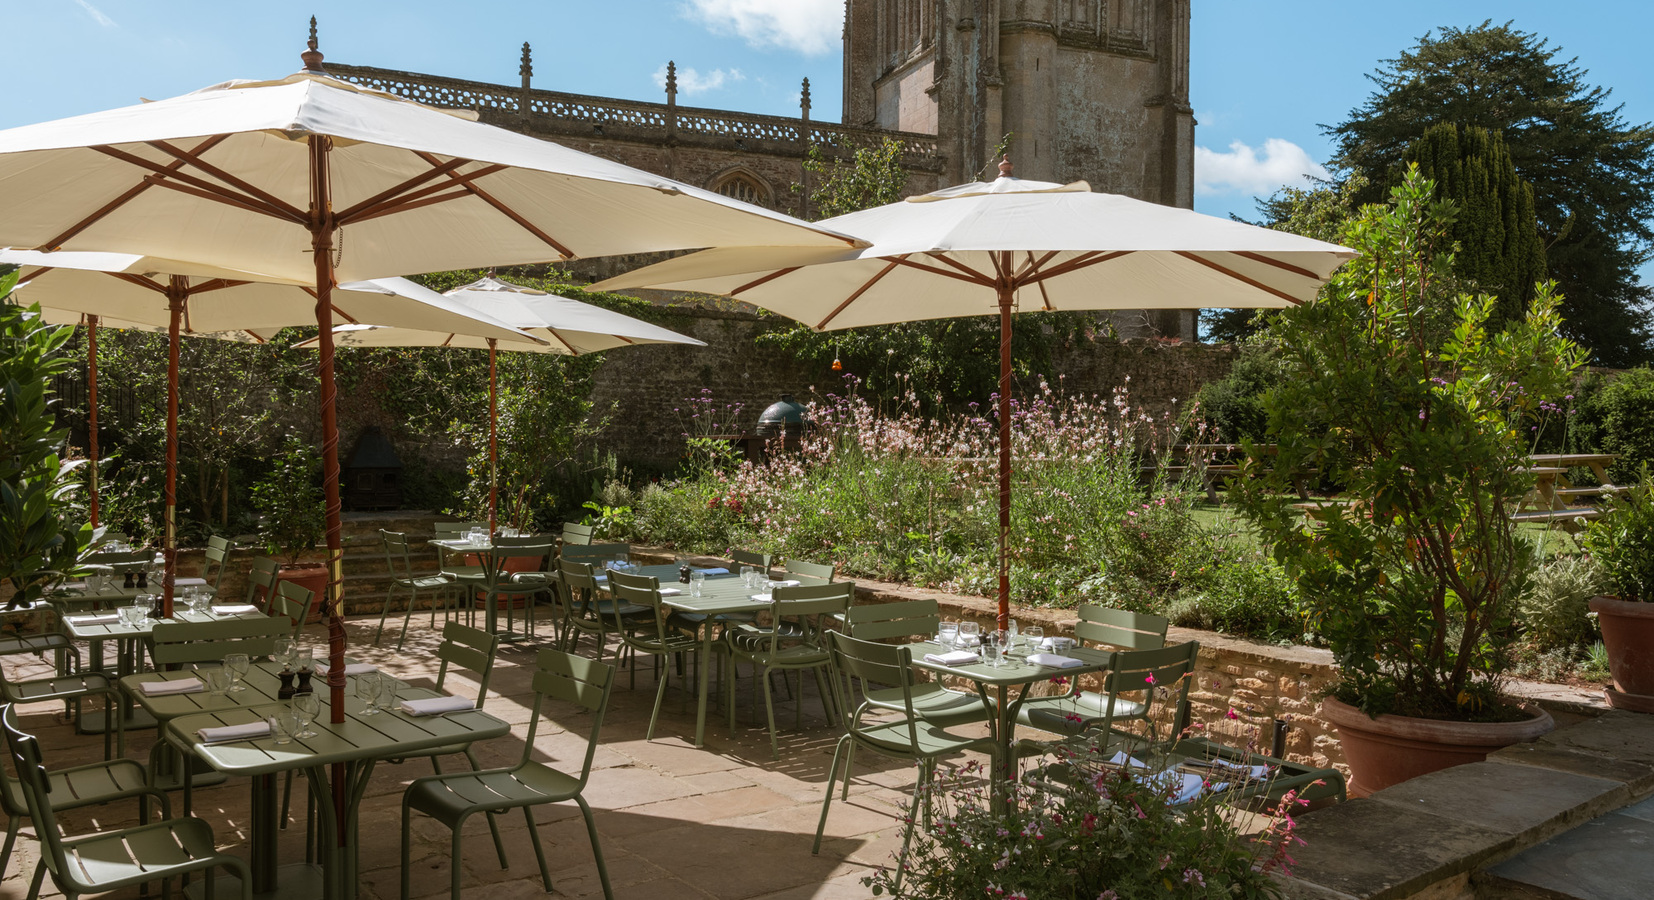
(1118, 837)
(1553, 612)
(39, 540)
(1592, 173)
(873, 177)
(1618, 417)
(290, 502)
(1413, 586)
(611, 514)
(1233, 405)
(1498, 250)
(1622, 541)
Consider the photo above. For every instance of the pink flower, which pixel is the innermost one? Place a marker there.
(1231, 714)
(1148, 679)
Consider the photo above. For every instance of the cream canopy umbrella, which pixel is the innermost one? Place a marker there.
(565, 325)
(982, 248)
(126, 291)
(314, 179)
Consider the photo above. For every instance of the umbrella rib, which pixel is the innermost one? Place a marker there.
(392, 192)
(764, 280)
(1270, 261)
(138, 280)
(203, 187)
(215, 196)
(1079, 262)
(292, 211)
(118, 202)
(975, 276)
(560, 340)
(1033, 267)
(25, 279)
(972, 278)
(344, 315)
(415, 199)
(216, 284)
(507, 211)
(861, 290)
(1241, 278)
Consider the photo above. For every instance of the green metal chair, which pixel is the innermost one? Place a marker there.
(73, 688)
(451, 799)
(908, 737)
(399, 562)
(532, 584)
(588, 610)
(1114, 629)
(451, 563)
(595, 554)
(752, 558)
(75, 787)
(261, 581)
(771, 649)
(110, 860)
(217, 557)
(1146, 672)
(654, 634)
(816, 571)
(930, 700)
(173, 644)
(293, 602)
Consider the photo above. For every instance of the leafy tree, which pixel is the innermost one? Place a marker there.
(1495, 235)
(1592, 173)
(39, 542)
(873, 177)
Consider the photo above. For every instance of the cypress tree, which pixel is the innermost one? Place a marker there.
(1499, 248)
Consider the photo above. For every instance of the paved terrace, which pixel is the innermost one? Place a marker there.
(723, 821)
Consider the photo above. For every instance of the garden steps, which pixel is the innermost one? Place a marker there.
(1489, 830)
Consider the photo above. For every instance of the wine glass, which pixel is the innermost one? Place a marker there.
(370, 687)
(969, 634)
(1000, 644)
(308, 706)
(238, 664)
(283, 652)
(1035, 635)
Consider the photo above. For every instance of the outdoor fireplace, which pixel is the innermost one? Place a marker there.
(372, 476)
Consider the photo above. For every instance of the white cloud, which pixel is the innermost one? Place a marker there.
(96, 14)
(1242, 169)
(811, 27)
(691, 81)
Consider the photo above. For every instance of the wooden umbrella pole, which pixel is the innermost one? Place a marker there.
(92, 414)
(493, 439)
(177, 293)
(1006, 294)
(322, 227)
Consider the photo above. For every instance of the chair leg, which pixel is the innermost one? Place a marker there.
(413, 598)
(832, 773)
(383, 612)
(39, 877)
(660, 694)
(907, 833)
(769, 712)
(539, 852)
(455, 873)
(493, 823)
(407, 825)
(597, 848)
(13, 826)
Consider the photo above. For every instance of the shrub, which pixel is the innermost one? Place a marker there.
(1623, 542)
(1553, 611)
(1618, 417)
(290, 502)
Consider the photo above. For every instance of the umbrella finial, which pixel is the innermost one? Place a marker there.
(312, 57)
(1005, 166)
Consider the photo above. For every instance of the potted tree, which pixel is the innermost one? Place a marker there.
(1400, 394)
(291, 516)
(1622, 542)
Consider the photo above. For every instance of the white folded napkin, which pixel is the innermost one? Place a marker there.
(174, 686)
(100, 619)
(1054, 661)
(350, 668)
(223, 733)
(436, 706)
(668, 592)
(762, 598)
(234, 609)
(715, 570)
(953, 658)
(1056, 643)
(791, 582)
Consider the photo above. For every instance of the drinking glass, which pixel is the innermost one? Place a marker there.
(1000, 641)
(130, 615)
(947, 633)
(1034, 634)
(969, 633)
(217, 680)
(284, 652)
(308, 707)
(748, 573)
(369, 688)
(305, 658)
(991, 648)
(238, 664)
(283, 725)
(697, 580)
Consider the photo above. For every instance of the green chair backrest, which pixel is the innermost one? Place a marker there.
(595, 553)
(448, 529)
(397, 559)
(109, 536)
(644, 590)
(807, 605)
(217, 557)
(567, 678)
(534, 546)
(1152, 672)
(862, 667)
(294, 601)
(575, 533)
(751, 558)
(261, 578)
(883, 621)
(579, 582)
(1121, 629)
(810, 569)
(12, 801)
(36, 785)
(471, 649)
(125, 561)
(176, 643)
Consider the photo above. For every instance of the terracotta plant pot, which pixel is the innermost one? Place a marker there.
(1628, 636)
(307, 575)
(1392, 749)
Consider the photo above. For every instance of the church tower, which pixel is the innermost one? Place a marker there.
(1086, 89)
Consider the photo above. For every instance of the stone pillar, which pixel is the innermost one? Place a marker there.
(1029, 70)
(671, 119)
(525, 69)
(804, 144)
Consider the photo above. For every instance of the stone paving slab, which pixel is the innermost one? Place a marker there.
(1375, 850)
(1523, 801)
(1609, 858)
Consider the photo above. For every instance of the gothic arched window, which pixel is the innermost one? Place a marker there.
(744, 188)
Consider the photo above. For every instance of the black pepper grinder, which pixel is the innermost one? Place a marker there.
(127, 582)
(304, 683)
(287, 690)
(683, 574)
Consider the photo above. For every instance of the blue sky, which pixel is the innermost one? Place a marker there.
(1265, 73)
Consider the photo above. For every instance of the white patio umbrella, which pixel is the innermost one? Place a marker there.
(982, 248)
(127, 291)
(312, 179)
(565, 325)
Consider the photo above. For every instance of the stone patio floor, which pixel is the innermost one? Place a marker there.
(723, 821)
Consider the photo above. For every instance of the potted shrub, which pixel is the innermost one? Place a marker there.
(1415, 584)
(1622, 542)
(292, 518)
